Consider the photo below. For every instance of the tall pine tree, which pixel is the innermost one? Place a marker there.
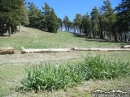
(10, 14)
(123, 17)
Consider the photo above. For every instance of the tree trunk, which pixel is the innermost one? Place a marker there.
(115, 36)
(101, 34)
(104, 34)
(121, 37)
(74, 30)
(101, 31)
(68, 29)
(110, 36)
(8, 50)
(61, 28)
(9, 30)
(100, 49)
(20, 27)
(90, 35)
(80, 30)
(93, 34)
(51, 50)
(125, 37)
(125, 46)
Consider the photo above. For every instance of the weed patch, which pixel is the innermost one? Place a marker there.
(56, 76)
(98, 68)
(53, 76)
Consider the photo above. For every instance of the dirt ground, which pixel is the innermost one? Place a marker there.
(38, 57)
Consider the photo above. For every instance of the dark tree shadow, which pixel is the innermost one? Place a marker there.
(100, 40)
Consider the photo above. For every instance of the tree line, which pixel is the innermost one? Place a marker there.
(103, 22)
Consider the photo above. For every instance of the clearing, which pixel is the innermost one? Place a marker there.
(12, 67)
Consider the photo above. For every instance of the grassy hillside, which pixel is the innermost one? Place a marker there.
(12, 67)
(33, 38)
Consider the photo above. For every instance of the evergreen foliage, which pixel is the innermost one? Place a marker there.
(78, 21)
(123, 17)
(66, 22)
(10, 15)
(101, 23)
(46, 20)
(94, 21)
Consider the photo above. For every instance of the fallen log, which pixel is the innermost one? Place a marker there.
(100, 49)
(50, 50)
(125, 46)
(6, 50)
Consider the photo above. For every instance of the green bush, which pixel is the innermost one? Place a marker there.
(57, 76)
(98, 68)
(53, 77)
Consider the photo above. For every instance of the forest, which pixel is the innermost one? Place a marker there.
(104, 22)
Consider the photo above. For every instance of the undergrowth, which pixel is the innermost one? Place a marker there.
(60, 76)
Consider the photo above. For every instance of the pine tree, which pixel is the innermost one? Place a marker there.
(60, 22)
(25, 18)
(33, 15)
(10, 14)
(100, 23)
(123, 17)
(51, 20)
(108, 17)
(78, 21)
(86, 24)
(66, 22)
(94, 21)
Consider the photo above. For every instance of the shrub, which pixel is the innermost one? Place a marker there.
(53, 77)
(98, 68)
(56, 76)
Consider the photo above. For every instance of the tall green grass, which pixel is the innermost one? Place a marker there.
(59, 76)
(53, 77)
(98, 68)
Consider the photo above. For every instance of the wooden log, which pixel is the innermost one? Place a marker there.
(100, 49)
(125, 46)
(8, 50)
(50, 50)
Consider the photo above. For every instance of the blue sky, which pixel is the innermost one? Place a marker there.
(72, 7)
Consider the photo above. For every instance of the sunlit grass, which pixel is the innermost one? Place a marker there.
(11, 76)
(52, 76)
(33, 38)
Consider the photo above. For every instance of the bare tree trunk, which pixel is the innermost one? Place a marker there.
(121, 36)
(20, 27)
(68, 29)
(115, 36)
(51, 50)
(61, 28)
(104, 34)
(9, 30)
(93, 34)
(74, 30)
(101, 31)
(125, 37)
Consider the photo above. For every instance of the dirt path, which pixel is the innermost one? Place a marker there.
(37, 57)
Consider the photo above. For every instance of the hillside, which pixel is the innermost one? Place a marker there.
(12, 67)
(33, 38)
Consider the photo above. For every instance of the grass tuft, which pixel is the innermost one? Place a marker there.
(98, 68)
(56, 76)
(53, 77)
